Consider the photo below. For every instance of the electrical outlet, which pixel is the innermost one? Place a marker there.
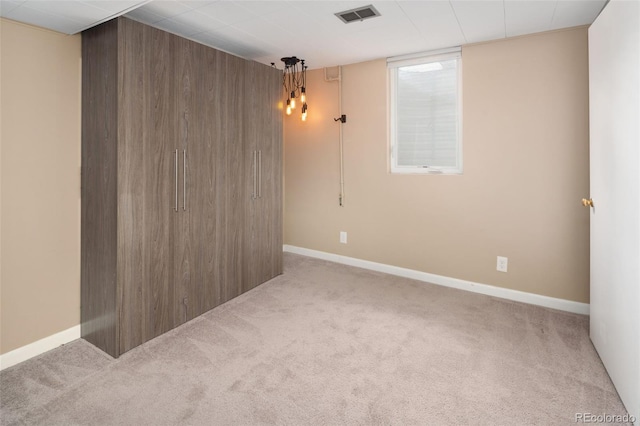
(502, 264)
(343, 237)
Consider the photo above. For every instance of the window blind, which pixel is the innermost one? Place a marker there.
(425, 112)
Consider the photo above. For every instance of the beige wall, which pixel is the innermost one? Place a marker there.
(525, 154)
(525, 169)
(40, 160)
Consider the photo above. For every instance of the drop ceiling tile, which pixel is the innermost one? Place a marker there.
(260, 8)
(341, 57)
(46, 20)
(227, 11)
(263, 44)
(322, 60)
(239, 36)
(390, 14)
(391, 35)
(434, 43)
(271, 29)
(196, 21)
(74, 10)
(213, 40)
(228, 44)
(144, 16)
(248, 51)
(329, 25)
(177, 27)
(195, 4)
(330, 51)
(320, 16)
(166, 9)
(295, 22)
(526, 17)
(262, 29)
(577, 12)
(480, 20)
(436, 22)
(7, 6)
(370, 53)
(116, 7)
(319, 9)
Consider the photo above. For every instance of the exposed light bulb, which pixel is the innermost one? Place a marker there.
(294, 84)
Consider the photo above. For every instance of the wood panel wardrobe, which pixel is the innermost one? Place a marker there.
(181, 181)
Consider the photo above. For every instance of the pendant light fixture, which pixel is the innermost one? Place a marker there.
(294, 81)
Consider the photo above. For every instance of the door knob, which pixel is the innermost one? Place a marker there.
(587, 202)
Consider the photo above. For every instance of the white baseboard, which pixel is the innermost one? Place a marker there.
(41, 346)
(503, 293)
(51, 342)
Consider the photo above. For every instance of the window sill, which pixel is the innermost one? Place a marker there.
(424, 171)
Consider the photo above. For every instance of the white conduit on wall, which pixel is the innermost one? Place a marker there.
(338, 78)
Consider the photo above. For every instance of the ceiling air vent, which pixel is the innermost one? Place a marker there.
(358, 14)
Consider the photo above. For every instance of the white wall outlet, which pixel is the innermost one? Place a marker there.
(343, 237)
(502, 264)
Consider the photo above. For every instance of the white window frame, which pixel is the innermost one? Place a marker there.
(392, 71)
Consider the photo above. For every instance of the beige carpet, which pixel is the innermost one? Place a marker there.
(327, 344)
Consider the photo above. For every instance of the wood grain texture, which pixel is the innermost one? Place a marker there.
(238, 163)
(270, 146)
(159, 239)
(211, 183)
(263, 214)
(185, 98)
(252, 209)
(131, 214)
(273, 173)
(99, 187)
(202, 219)
(156, 255)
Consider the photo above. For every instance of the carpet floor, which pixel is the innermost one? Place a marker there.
(328, 344)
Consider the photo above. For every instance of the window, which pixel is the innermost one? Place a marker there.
(425, 104)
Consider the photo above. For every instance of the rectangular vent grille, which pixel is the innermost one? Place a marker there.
(358, 14)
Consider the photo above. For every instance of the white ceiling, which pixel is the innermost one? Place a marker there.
(268, 30)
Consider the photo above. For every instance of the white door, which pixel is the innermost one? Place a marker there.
(614, 98)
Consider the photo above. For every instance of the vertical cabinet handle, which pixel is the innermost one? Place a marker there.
(260, 174)
(255, 175)
(176, 175)
(184, 180)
